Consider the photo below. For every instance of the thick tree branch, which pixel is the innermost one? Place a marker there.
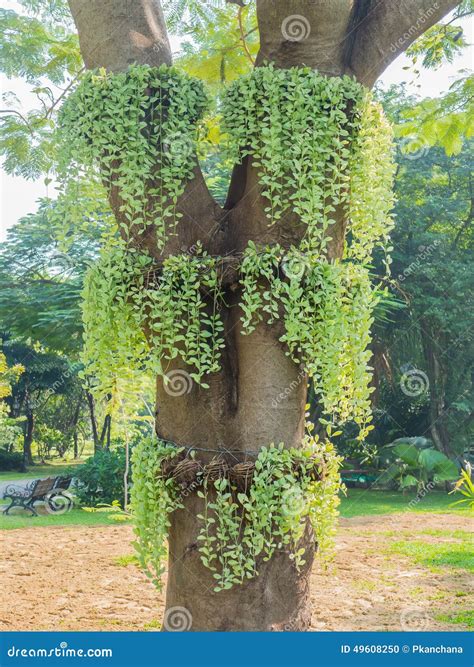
(388, 30)
(356, 37)
(299, 32)
(115, 34)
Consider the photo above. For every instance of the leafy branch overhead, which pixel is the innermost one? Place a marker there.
(42, 49)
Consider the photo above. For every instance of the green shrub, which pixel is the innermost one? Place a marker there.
(11, 460)
(100, 478)
(413, 462)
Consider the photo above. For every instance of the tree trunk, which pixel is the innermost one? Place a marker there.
(236, 413)
(75, 421)
(28, 439)
(93, 420)
(239, 412)
(105, 433)
(436, 377)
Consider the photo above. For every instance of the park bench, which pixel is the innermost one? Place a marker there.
(359, 477)
(46, 490)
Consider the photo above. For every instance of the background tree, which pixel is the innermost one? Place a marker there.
(40, 47)
(44, 374)
(10, 428)
(41, 278)
(446, 120)
(431, 339)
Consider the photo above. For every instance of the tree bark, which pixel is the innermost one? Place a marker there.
(238, 412)
(93, 420)
(105, 433)
(437, 393)
(387, 30)
(75, 421)
(28, 439)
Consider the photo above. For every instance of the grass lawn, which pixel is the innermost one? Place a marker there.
(51, 469)
(450, 554)
(359, 502)
(75, 517)
(461, 618)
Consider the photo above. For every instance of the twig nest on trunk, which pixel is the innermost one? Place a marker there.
(242, 474)
(216, 469)
(185, 473)
(168, 466)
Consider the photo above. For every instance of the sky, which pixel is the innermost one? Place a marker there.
(19, 196)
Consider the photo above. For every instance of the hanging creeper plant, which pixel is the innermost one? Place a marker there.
(326, 309)
(318, 143)
(250, 510)
(154, 497)
(322, 151)
(372, 170)
(138, 317)
(138, 129)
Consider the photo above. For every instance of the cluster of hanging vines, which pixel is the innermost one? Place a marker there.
(138, 130)
(320, 146)
(249, 509)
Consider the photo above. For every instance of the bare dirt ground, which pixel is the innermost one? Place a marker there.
(69, 578)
